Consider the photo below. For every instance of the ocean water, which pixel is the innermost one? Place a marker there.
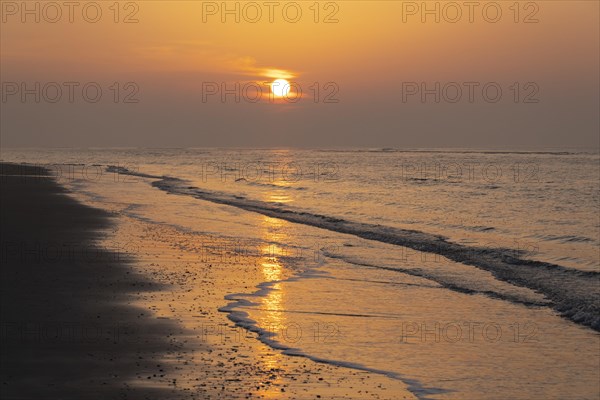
(457, 272)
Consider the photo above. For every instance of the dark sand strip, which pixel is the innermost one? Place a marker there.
(67, 331)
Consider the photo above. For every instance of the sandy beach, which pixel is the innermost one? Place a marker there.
(97, 305)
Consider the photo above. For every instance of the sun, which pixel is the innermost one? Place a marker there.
(280, 87)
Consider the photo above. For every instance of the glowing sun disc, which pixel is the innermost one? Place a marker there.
(280, 87)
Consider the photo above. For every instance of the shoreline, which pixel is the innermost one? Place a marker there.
(508, 265)
(67, 331)
(163, 335)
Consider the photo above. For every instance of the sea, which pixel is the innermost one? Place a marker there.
(460, 272)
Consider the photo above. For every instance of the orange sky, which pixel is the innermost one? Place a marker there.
(369, 53)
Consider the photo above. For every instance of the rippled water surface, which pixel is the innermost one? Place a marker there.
(509, 242)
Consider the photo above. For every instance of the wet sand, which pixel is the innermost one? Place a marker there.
(68, 331)
(96, 304)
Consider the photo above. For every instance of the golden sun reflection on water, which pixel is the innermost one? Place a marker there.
(273, 234)
(271, 271)
(273, 319)
(282, 198)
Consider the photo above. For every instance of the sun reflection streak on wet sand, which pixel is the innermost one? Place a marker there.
(274, 319)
